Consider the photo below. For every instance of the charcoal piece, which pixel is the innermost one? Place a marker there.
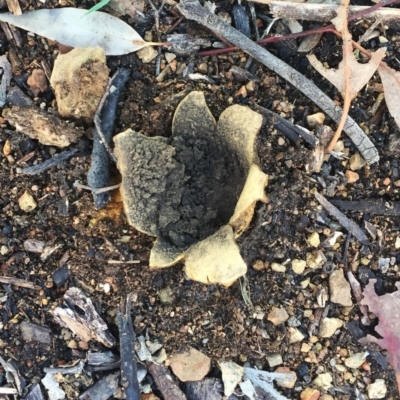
(60, 276)
(241, 19)
(99, 172)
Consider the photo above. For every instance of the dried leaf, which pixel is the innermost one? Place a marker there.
(391, 85)
(71, 27)
(387, 309)
(360, 74)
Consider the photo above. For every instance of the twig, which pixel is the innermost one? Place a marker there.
(191, 9)
(96, 190)
(347, 223)
(129, 380)
(325, 12)
(10, 280)
(370, 206)
(99, 172)
(57, 159)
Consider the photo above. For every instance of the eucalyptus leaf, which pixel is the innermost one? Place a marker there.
(67, 26)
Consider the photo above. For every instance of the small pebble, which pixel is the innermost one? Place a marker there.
(329, 326)
(298, 266)
(313, 239)
(258, 265)
(26, 202)
(352, 176)
(278, 315)
(314, 120)
(287, 382)
(324, 380)
(377, 390)
(356, 360)
(310, 394)
(274, 359)
(356, 162)
(278, 267)
(386, 181)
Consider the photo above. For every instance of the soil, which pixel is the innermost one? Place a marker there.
(217, 321)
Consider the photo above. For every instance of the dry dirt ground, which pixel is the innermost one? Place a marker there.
(215, 320)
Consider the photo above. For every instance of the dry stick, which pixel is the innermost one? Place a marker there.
(347, 223)
(324, 29)
(192, 9)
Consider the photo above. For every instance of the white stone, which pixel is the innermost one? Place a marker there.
(231, 375)
(377, 390)
(355, 360)
(278, 267)
(274, 359)
(315, 259)
(329, 326)
(340, 291)
(313, 239)
(296, 336)
(278, 315)
(26, 202)
(314, 120)
(324, 381)
(147, 54)
(298, 266)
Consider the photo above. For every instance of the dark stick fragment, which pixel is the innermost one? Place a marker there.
(99, 172)
(165, 383)
(129, 379)
(57, 159)
(291, 131)
(347, 223)
(207, 389)
(375, 207)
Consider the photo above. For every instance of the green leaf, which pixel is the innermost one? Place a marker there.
(97, 6)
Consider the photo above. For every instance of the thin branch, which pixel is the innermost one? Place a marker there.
(192, 9)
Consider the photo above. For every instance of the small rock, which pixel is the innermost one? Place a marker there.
(169, 57)
(258, 265)
(3, 250)
(397, 243)
(287, 382)
(34, 333)
(278, 267)
(26, 202)
(202, 68)
(166, 295)
(356, 162)
(274, 359)
(296, 336)
(278, 315)
(147, 54)
(356, 360)
(326, 396)
(298, 266)
(315, 119)
(37, 81)
(310, 394)
(79, 80)
(192, 365)
(352, 176)
(250, 86)
(386, 181)
(44, 126)
(231, 376)
(315, 259)
(339, 146)
(313, 239)
(329, 326)
(34, 245)
(324, 380)
(16, 97)
(377, 390)
(383, 264)
(60, 276)
(339, 288)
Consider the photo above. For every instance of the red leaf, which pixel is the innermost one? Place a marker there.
(387, 309)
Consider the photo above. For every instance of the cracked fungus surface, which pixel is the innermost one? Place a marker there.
(186, 188)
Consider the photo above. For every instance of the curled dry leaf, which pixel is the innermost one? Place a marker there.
(71, 27)
(391, 87)
(360, 74)
(387, 309)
